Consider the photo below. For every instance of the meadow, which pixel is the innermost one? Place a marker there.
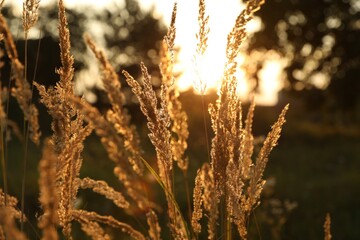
(160, 192)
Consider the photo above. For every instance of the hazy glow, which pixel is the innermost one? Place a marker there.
(210, 68)
(68, 3)
(270, 81)
(320, 80)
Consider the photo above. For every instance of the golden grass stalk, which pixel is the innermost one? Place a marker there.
(158, 123)
(327, 226)
(171, 34)
(114, 145)
(201, 46)
(70, 164)
(202, 35)
(179, 118)
(8, 39)
(8, 228)
(11, 204)
(8, 214)
(112, 142)
(22, 90)
(66, 72)
(102, 188)
(198, 202)
(256, 181)
(93, 229)
(205, 196)
(30, 14)
(223, 110)
(118, 115)
(248, 142)
(68, 127)
(69, 135)
(81, 215)
(152, 221)
(240, 201)
(48, 193)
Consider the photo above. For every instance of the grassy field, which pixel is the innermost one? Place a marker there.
(170, 167)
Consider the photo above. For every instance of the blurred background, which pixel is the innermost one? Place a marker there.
(305, 53)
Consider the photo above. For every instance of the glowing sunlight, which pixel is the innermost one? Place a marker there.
(210, 67)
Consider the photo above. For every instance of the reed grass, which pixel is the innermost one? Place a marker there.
(227, 186)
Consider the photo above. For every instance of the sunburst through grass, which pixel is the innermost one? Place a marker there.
(227, 186)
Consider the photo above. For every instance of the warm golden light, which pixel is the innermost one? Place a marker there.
(270, 81)
(209, 68)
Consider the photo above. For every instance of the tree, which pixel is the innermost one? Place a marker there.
(128, 34)
(319, 41)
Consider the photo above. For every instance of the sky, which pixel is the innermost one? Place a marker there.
(221, 19)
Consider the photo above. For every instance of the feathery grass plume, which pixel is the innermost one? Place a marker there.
(247, 147)
(152, 221)
(237, 166)
(8, 214)
(244, 181)
(179, 128)
(30, 14)
(256, 182)
(66, 72)
(201, 46)
(197, 202)
(243, 193)
(48, 193)
(8, 39)
(81, 215)
(93, 229)
(221, 112)
(118, 115)
(8, 227)
(327, 225)
(70, 164)
(178, 116)
(158, 124)
(11, 204)
(22, 90)
(113, 144)
(171, 34)
(205, 197)
(69, 135)
(68, 127)
(108, 135)
(102, 188)
(202, 35)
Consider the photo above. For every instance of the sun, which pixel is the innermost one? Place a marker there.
(208, 69)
